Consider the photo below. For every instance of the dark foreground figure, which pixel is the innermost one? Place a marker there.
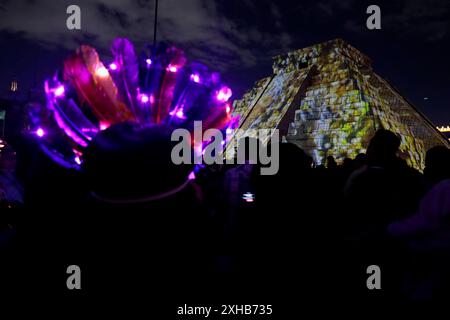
(140, 227)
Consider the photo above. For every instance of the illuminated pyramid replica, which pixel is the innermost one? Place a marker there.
(327, 100)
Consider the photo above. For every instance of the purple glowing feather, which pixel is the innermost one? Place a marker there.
(126, 77)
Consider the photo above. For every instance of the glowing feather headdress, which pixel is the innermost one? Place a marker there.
(159, 87)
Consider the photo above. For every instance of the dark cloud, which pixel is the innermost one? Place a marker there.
(239, 37)
(326, 8)
(196, 25)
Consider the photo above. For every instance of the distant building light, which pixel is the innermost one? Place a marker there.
(14, 86)
(444, 129)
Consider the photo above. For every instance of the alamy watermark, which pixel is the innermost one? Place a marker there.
(374, 20)
(239, 146)
(73, 22)
(74, 278)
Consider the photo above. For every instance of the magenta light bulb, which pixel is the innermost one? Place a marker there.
(195, 78)
(144, 98)
(59, 91)
(148, 61)
(198, 149)
(103, 126)
(172, 68)
(113, 66)
(180, 114)
(224, 94)
(40, 132)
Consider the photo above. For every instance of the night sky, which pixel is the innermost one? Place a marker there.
(239, 37)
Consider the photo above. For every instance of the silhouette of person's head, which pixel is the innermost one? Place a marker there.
(348, 163)
(383, 148)
(293, 158)
(331, 163)
(360, 160)
(437, 164)
(127, 163)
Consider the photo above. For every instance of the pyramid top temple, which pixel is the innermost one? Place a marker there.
(310, 55)
(328, 100)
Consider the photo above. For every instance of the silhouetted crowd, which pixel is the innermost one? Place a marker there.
(308, 228)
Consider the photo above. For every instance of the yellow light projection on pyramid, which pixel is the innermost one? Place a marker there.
(327, 100)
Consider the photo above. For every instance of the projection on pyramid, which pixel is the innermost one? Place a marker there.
(327, 100)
